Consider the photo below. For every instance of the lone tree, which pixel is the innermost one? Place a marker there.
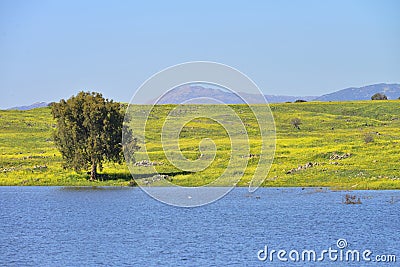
(296, 122)
(379, 96)
(89, 131)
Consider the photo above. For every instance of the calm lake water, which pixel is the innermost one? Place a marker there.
(58, 226)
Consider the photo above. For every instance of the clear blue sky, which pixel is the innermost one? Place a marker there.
(52, 49)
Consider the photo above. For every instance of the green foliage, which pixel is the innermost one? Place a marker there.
(368, 138)
(296, 122)
(89, 131)
(379, 96)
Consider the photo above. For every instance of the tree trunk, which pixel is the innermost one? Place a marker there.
(93, 173)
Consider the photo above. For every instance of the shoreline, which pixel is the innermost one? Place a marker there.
(348, 189)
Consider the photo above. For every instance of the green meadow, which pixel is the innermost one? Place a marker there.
(341, 145)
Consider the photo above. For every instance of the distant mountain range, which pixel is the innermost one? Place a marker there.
(392, 91)
(176, 96)
(181, 94)
(34, 105)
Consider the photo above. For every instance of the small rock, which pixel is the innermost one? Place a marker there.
(146, 163)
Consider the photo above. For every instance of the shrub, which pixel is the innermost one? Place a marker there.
(379, 96)
(368, 138)
(296, 122)
(300, 101)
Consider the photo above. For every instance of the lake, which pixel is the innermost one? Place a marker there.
(64, 226)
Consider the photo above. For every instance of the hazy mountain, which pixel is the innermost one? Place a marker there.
(392, 91)
(34, 105)
(182, 94)
(287, 98)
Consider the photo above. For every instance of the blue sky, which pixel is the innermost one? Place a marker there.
(52, 49)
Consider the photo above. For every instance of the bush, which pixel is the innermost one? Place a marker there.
(296, 122)
(300, 101)
(368, 138)
(379, 96)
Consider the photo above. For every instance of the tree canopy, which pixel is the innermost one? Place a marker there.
(89, 131)
(379, 96)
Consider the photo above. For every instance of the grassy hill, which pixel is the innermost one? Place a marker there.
(330, 147)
